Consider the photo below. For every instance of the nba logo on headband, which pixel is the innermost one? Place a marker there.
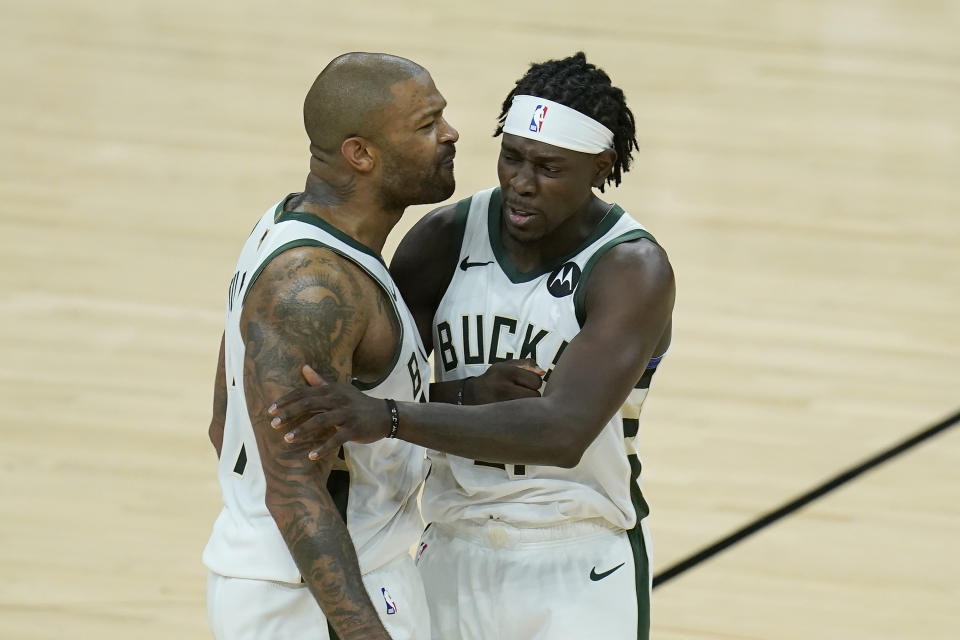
(569, 128)
(536, 122)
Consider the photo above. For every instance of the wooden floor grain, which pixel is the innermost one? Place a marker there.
(799, 161)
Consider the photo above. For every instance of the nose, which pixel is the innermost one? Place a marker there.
(448, 133)
(522, 181)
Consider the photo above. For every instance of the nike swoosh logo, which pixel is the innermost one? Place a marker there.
(464, 265)
(600, 576)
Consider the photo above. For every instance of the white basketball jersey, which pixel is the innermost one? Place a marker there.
(375, 485)
(491, 312)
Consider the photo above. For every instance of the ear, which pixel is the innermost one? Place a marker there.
(604, 165)
(358, 154)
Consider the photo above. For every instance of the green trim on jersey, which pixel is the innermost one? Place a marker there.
(309, 242)
(282, 215)
(580, 295)
(641, 563)
(494, 213)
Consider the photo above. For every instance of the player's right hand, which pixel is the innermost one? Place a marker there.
(507, 380)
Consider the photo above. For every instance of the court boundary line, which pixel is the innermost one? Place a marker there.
(801, 501)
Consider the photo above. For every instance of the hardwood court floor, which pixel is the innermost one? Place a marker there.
(799, 161)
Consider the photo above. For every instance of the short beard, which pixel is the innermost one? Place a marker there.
(403, 187)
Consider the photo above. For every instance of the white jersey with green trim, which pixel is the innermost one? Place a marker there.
(491, 312)
(375, 485)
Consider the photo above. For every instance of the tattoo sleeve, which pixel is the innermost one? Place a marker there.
(306, 308)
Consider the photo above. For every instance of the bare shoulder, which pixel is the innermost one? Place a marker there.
(634, 258)
(438, 224)
(636, 272)
(303, 273)
(315, 303)
(425, 259)
(423, 246)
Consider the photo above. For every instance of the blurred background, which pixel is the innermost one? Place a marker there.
(799, 160)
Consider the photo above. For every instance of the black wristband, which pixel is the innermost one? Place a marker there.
(394, 418)
(460, 390)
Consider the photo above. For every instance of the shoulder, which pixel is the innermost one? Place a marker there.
(425, 259)
(635, 276)
(636, 257)
(443, 224)
(301, 278)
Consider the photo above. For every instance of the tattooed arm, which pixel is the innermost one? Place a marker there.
(308, 305)
(219, 404)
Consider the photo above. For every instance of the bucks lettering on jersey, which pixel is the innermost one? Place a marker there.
(375, 485)
(491, 312)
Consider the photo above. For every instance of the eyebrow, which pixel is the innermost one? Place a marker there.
(537, 158)
(423, 116)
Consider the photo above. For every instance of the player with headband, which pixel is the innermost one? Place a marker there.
(535, 509)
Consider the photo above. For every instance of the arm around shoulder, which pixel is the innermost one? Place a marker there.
(627, 322)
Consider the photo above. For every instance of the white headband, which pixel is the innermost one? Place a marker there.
(556, 124)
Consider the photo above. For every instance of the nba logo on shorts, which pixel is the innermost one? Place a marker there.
(536, 122)
(423, 547)
(391, 605)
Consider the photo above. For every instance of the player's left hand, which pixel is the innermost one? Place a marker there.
(328, 414)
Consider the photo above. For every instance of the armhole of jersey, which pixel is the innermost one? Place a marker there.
(580, 296)
(306, 242)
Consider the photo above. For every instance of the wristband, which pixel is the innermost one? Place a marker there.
(394, 418)
(461, 389)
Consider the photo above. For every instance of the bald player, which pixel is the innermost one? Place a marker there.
(300, 550)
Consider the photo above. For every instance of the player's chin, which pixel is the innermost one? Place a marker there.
(446, 183)
(437, 189)
(524, 235)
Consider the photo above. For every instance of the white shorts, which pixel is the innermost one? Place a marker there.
(493, 581)
(241, 609)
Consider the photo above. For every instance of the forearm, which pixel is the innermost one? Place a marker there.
(525, 431)
(320, 545)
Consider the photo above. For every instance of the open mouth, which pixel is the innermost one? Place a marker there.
(519, 217)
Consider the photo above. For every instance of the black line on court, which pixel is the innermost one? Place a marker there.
(797, 503)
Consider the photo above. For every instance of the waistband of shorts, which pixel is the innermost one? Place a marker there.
(497, 533)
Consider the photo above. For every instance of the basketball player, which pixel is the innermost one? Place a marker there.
(536, 510)
(310, 285)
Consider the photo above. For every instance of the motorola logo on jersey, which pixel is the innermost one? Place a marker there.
(563, 280)
(536, 122)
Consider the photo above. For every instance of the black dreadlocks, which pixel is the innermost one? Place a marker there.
(575, 83)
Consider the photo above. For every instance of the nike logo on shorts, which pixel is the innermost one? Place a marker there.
(600, 576)
(464, 265)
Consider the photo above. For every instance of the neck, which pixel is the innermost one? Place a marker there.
(349, 210)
